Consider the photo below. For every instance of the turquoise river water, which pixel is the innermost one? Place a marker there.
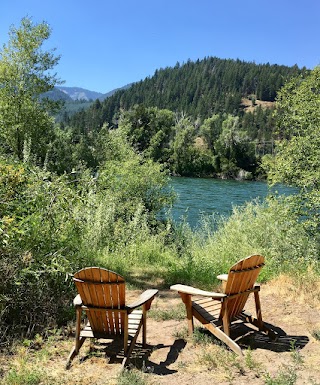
(202, 196)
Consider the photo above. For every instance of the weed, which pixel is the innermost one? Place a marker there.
(199, 337)
(287, 375)
(296, 355)
(131, 377)
(181, 333)
(316, 334)
(177, 313)
(250, 362)
(312, 381)
(182, 364)
(209, 359)
(24, 376)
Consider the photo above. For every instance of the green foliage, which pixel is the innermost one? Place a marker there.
(24, 377)
(177, 313)
(24, 76)
(39, 238)
(131, 377)
(51, 225)
(234, 149)
(201, 88)
(204, 96)
(149, 130)
(285, 376)
(297, 160)
(187, 158)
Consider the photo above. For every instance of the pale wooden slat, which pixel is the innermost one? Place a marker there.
(88, 300)
(135, 316)
(116, 305)
(95, 318)
(134, 321)
(248, 281)
(91, 275)
(101, 301)
(218, 333)
(194, 291)
(241, 278)
(102, 297)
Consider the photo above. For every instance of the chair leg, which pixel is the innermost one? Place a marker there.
(186, 298)
(258, 310)
(74, 352)
(225, 317)
(130, 349)
(222, 336)
(78, 340)
(126, 333)
(144, 326)
(247, 317)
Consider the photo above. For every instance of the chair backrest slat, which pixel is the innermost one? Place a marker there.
(242, 277)
(104, 289)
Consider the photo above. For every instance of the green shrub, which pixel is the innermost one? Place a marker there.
(131, 377)
(23, 376)
(51, 226)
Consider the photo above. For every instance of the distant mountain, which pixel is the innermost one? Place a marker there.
(110, 93)
(77, 99)
(77, 93)
(56, 94)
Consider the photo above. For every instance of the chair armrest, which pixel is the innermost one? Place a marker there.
(194, 291)
(77, 300)
(146, 296)
(222, 277)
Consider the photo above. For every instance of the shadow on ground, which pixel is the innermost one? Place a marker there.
(139, 358)
(247, 337)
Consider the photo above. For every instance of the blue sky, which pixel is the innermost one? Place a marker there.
(106, 44)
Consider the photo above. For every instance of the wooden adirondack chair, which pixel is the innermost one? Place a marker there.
(102, 297)
(216, 311)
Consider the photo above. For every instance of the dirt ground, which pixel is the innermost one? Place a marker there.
(173, 358)
(248, 107)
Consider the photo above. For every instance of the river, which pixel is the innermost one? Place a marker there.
(206, 196)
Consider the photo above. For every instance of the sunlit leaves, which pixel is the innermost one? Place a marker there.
(24, 76)
(297, 161)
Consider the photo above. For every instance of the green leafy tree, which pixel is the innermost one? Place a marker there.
(297, 160)
(149, 130)
(211, 129)
(24, 76)
(190, 158)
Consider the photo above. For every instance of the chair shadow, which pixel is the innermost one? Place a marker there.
(284, 343)
(162, 369)
(247, 337)
(140, 357)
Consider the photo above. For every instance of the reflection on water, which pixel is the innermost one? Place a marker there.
(198, 196)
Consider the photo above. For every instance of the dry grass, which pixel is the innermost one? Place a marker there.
(248, 107)
(300, 289)
(174, 357)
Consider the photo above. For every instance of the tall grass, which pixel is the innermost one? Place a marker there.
(180, 255)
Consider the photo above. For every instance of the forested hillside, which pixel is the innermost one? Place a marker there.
(202, 88)
(200, 118)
